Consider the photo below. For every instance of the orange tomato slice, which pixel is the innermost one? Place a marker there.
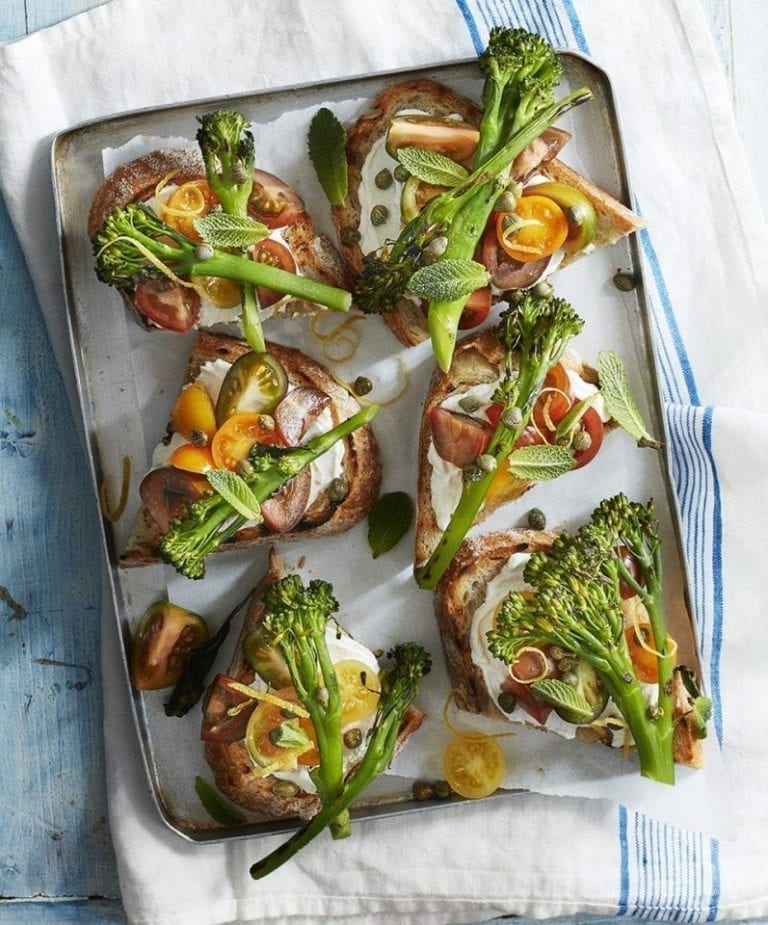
(192, 458)
(539, 229)
(191, 200)
(645, 663)
(235, 438)
(223, 293)
(267, 717)
(194, 413)
(474, 765)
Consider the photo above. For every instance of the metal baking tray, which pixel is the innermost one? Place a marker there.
(128, 380)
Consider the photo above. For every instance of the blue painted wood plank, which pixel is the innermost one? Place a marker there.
(93, 912)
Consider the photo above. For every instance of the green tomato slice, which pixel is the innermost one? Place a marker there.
(255, 383)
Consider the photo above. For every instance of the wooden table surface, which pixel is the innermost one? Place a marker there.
(55, 843)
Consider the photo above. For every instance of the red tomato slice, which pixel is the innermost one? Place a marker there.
(633, 568)
(477, 309)
(219, 725)
(173, 307)
(458, 438)
(527, 700)
(274, 254)
(272, 201)
(593, 425)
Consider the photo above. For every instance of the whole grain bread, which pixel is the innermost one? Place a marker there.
(362, 469)
(407, 320)
(232, 767)
(462, 590)
(314, 252)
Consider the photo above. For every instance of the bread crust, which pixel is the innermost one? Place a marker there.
(231, 765)
(475, 356)
(362, 469)
(135, 181)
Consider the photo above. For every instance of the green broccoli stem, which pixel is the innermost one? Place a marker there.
(251, 320)
(243, 270)
(376, 760)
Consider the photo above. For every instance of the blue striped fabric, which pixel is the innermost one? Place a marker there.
(664, 873)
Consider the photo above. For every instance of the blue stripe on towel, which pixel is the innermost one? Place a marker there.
(661, 854)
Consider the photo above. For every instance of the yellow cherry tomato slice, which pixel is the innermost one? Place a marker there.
(266, 718)
(223, 293)
(473, 765)
(194, 414)
(536, 228)
(192, 458)
(359, 689)
(235, 438)
(191, 200)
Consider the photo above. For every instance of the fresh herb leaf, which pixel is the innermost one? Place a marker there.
(215, 806)
(540, 463)
(575, 415)
(221, 230)
(446, 280)
(618, 398)
(701, 706)
(564, 698)
(389, 520)
(290, 735)
(235, 490)
(432, 167)
(327, 151)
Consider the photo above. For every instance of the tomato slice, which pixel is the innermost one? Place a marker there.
(645, 663)
(273, 202)
(507, 273)
(168, 305)
(234, 440)
(274, 254)
(168, 493)
(415, 195)
(633, 568)
(226, 711)
(189, 201)
(554, 402)
(298, 411)
(526, 699)
(162, 644)
(192, 458)
(255, 382)
(458, 438)
(474, 765)
(193, 413)
(477, 309)
(539, 228)
(223, 293)
(264, 720)
(286, 507)
(360, 689)
(592, 425)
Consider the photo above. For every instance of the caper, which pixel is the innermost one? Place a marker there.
(239, 173)
(441, 789)
(555, 651)
(487, 462)
(203, 252)
(383, 179)
(472, 473)
(322, 696)
(507, 702)
(288, 714)
(567, 663)
(353, 738)
(544, 289)
(338, 490)
(422, 791)
(267, 421)
(245, 468)
(436, 247)
(515, 187)
(362, 385)
(401, 173)
(655, 712)
(379, 214)
(570, 678)
(623, 281)
(350, 236)
(512, 417)
(274, 735)
(469, 404)
(285, 788)
(506, 202)
(198, 437)
(581, 441)
(537, 519)
(510, 223)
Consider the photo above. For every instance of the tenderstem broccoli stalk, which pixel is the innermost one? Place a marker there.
(134, 243)
(576, 605)
(226, 143)
(212, 520)
(534, 332)
(400, 685)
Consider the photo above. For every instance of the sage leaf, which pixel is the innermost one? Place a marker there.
(327, 152)
(389, 520)
(564, 698)
(446, 280)
(221, 230)
(215, 806)
(540, 462)
(234, 489)
(432, 167)
(619, 401)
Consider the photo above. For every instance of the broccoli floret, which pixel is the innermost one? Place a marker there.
(577, 605)
(212, 520)
(226, 143)
(534, 332)
(399, 687)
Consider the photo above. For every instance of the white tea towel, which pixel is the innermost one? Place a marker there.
(540, 856)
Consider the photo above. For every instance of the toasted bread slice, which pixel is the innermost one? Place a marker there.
(136, 181)
(361, 467)
(231, 765)
(407, 320)
(477, 359)
(462, 591)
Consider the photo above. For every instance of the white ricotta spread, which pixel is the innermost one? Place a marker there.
(374, 236)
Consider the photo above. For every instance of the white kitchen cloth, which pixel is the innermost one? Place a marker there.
(540, 856)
